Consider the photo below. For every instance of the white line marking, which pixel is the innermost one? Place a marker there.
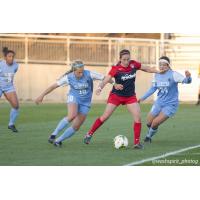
(161, 156)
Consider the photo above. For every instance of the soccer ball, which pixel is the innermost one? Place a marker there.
(120, 141)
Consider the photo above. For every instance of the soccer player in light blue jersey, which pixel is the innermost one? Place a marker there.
(167, 101)
(8, 68)
(79, 99)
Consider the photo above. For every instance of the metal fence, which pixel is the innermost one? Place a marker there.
(183, 52)
(97, 51)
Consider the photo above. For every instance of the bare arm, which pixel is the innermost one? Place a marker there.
(97, 76)
(152, 69)
(149, 69)
(47, 91)
(108, 79)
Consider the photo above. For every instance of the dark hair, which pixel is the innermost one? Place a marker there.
(123, 52)
(165, 58)
(6, 51)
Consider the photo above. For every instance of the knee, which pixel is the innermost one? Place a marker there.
(103, 118)
(76, 127)
(154, 124)
(71, 118)
(148, 125)
(137, 116)
(16, 106)
(138, 120)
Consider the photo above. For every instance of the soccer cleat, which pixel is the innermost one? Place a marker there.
(87, 138)
(57, 144)
(13, 128)
(51, 139)
(147, 139)
(138, 146)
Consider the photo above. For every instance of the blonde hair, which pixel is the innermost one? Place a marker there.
(74, 66)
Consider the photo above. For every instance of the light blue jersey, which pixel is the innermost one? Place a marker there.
(167, 86)
(81, 90)
(7, 73)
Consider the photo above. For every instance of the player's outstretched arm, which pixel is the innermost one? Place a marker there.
(147, 94)
(39, 99)
(116, 86)
(179, 78)
(107, 79)
(151, 69)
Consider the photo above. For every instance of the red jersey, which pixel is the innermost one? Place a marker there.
(125, 76)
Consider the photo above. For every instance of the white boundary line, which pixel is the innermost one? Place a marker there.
(161, 156)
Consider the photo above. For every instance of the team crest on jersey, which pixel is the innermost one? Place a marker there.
(132, 66)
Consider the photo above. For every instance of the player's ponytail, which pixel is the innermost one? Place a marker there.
(74, 66)
(67, 72)
(6, 51)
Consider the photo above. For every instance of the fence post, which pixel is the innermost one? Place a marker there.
(157, 52)
(162, 44)
(109, 52)
(68, 51)
(26, 50)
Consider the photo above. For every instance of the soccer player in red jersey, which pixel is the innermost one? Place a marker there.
(123, 92)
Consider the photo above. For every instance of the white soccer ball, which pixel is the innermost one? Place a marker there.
(120, 141)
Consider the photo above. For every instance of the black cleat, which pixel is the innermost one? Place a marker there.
(51, 139)
(138, 146)
(87, 138)
(13, 128)
(57, 144)
(147, 139)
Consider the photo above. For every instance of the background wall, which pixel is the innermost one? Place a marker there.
(32, 79)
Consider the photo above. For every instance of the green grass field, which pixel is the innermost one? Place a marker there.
(35, 123)
(187, 158)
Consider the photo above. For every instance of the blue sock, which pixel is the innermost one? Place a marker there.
(13, 116)
(67, 134)
(61, 125)
(151, 132)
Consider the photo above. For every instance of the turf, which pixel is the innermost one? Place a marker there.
(30, 147)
